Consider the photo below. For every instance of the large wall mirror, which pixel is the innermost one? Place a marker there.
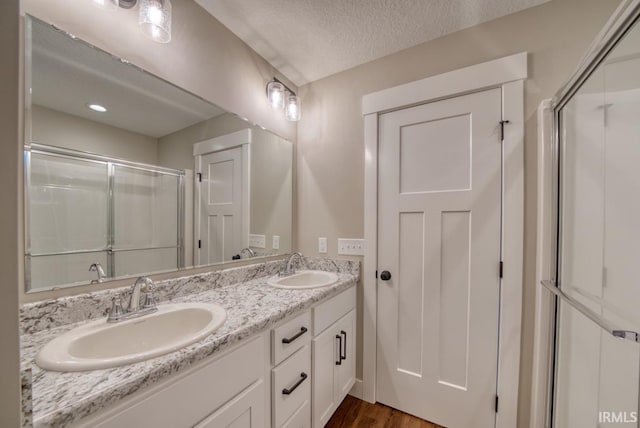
(127, 174)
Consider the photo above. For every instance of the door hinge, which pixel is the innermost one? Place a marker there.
(376, 274)
(501, 268)
(199, 243)
(502, 124)
(496, 404)
(199, 177)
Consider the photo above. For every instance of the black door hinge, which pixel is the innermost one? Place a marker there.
(199, 177)
(376, 274)
(199, 243)
(501, 268)
(502, 124)
(496, 404)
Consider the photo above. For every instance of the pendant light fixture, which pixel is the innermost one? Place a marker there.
(154, 18)
(281, 96)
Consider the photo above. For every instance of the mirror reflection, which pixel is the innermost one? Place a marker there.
(127, 174)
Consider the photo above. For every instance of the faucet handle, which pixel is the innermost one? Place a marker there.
(149, 300)
(116, 312)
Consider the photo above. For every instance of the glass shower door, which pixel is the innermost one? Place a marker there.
(597, 374)
(146, 210)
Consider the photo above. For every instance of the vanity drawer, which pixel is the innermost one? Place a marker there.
(301, 418)
(332, 310)
(291, 383)
(290, 336)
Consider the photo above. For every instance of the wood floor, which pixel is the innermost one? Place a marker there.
(357, 413)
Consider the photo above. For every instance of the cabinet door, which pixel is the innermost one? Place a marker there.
(346, 371)
(246, 410)
(325, 359)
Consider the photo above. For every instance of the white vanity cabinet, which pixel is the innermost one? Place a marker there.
(293, 376)
(226, 391)
(333, 355)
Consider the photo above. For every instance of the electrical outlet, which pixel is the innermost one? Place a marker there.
(257, 241)
(322, 245)
(351, 247)
(275, 242)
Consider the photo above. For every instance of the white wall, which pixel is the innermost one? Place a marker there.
(330, 146)
(11, 249)
(55, 128)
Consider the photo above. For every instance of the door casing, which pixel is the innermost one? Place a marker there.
(507, 73)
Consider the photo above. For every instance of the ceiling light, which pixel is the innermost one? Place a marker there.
(280, 96)
(97, 107)
(154, 19)
(292, 108)
(275, 94)
(105, 4)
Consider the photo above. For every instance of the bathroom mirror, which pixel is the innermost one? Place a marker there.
(127, 174)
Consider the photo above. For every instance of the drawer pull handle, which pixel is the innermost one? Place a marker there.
(286, 391)
(303, 330)
(344, 334)
(339, 362)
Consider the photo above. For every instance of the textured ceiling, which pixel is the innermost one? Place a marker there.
(310, 39)
(67, 74)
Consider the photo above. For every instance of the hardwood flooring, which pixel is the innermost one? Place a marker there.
(357, 413)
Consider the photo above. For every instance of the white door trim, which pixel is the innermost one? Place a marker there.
(223, 142)
(507, 73)
(490, 74)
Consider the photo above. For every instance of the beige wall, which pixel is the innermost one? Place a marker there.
(176, 150)
(56, 128)
(10, 232)
(271, 189)
(330, 149)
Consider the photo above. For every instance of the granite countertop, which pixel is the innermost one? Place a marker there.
(60, 399)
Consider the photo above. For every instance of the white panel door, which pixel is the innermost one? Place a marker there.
(439, 237)
(221, 214)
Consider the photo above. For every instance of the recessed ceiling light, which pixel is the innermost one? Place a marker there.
(97, 107)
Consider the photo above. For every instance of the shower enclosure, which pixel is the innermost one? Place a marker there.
(86, 209)
(595, 268)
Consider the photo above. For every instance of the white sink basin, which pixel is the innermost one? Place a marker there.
(101, 345)
(304, 279)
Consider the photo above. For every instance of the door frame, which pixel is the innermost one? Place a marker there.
(242, 139)
(509, 74)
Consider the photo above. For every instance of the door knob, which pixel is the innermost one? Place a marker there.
(385, 275)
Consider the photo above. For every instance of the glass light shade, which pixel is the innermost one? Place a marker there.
(155, 19)
(275, 94)
(292, 108)
(105, 4)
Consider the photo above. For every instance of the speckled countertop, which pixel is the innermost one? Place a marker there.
(59, 399)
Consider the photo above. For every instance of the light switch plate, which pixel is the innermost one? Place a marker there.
(322, 245)
(257, 241)
(351, 247)
(275, 242)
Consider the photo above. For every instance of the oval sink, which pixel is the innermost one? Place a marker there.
(101, 345)
(304, 279)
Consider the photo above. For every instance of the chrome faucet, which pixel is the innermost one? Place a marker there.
(248, 250)
(134, 309)
(290, 269)
(97, 267)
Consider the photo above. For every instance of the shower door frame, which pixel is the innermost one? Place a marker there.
(550, 212)
(111, 163)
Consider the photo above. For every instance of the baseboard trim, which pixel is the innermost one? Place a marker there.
(356, 390)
